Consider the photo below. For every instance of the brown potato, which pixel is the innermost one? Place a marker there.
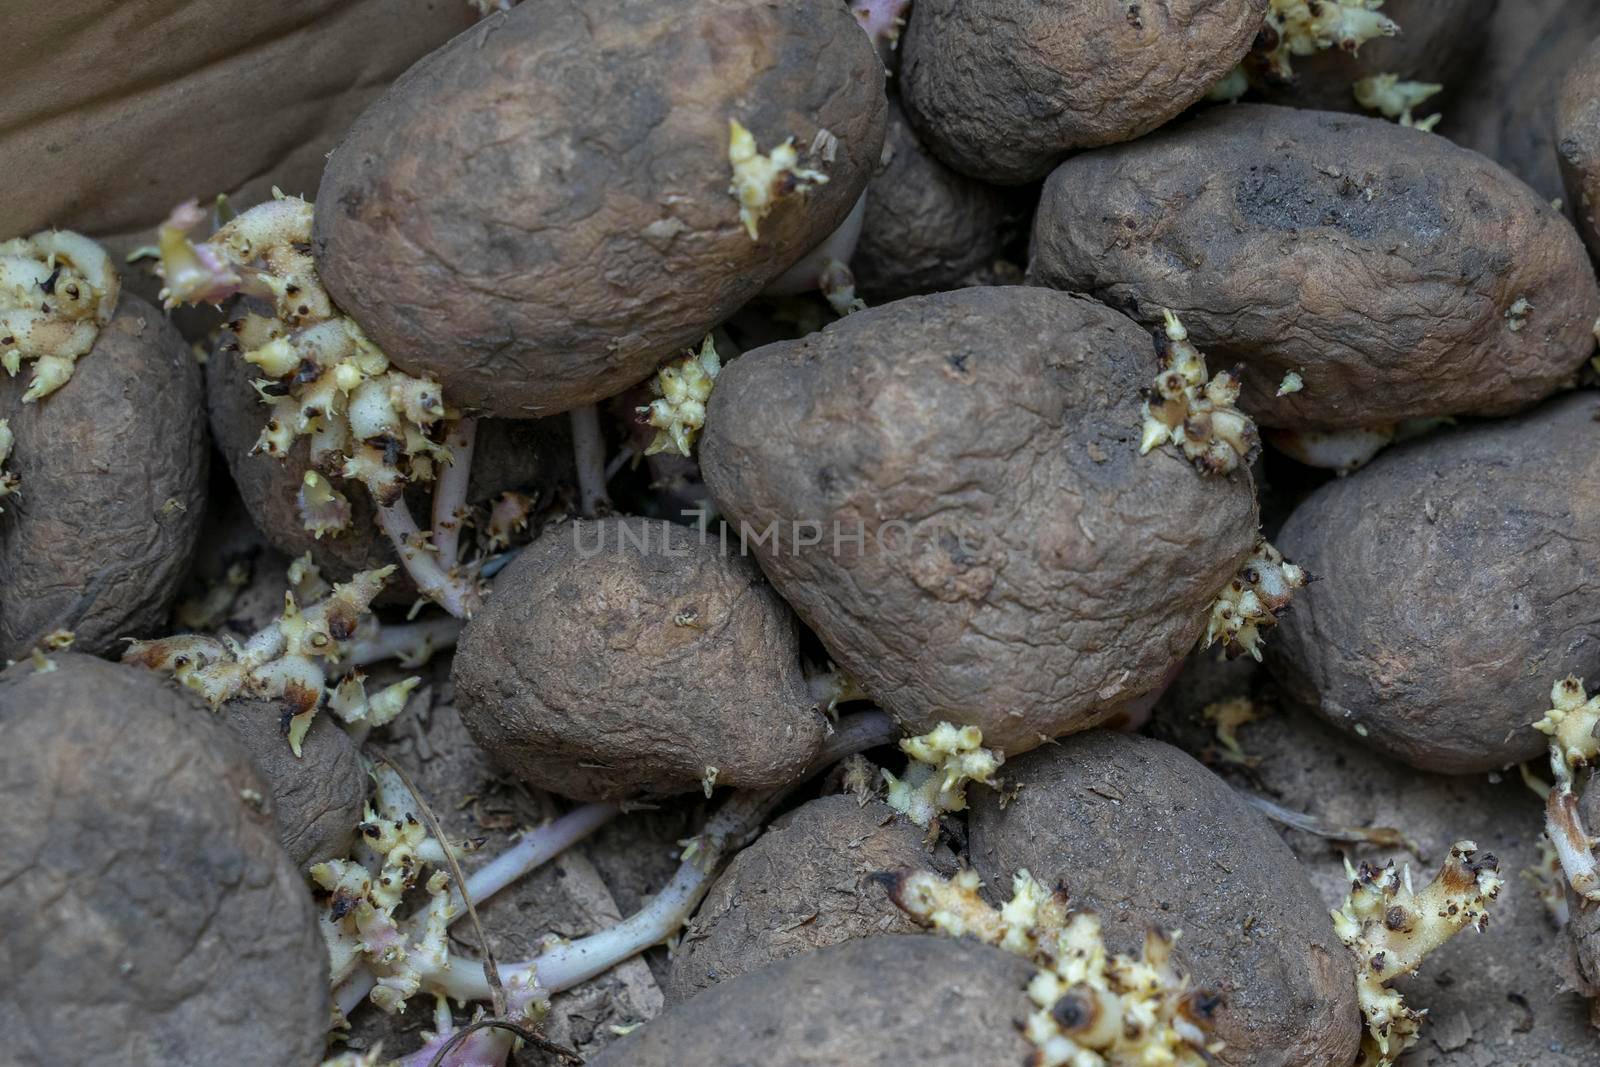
(1578, 130)
(1142, 834)
(1002, 91)
(801, 886)
(1456, 584)
(630, 656)
(926, 1000)
(151, 916)
(1016, 564)
(113, 469)
(512, 221)
(1400, 276)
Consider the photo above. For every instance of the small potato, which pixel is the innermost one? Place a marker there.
(113, 490)
(1140, 833)
(1578, 132)
(151, 917)
(1002, 91)
(949, 491)
(1457, 583)
(801, 886)
(540, 212)
(926, 1000)
(1399, 276)
(631, 656)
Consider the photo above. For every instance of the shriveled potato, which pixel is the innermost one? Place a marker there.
(631, 656)
(150, 915)
(1140, 833)
(1003, 91)
(319, 795)
(910, 999)
(508, 221)
(113, 488)
(949, 491)
(926, 227)
(1457, 582)
(801, 886)
(1578, 131)
(1399, 276)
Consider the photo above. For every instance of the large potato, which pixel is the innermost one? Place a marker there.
(1578, 132)
(150, 916)
(1002, 90)
(113, 473)
(1399, 276)
(948, 490)
(1458, 583)
(1140, 833)
(539, 213)
(631, 656)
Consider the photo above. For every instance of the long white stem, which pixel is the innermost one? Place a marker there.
(450, 492)
(412, 643)
(456, 594)
(589, 455)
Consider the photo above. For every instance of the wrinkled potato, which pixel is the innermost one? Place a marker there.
(1457, 584)
(1399, 276)
(1016, 564)
(1003, 91)
(507, 221)
(926, 227)
(150, 915)
(802, 885)
(630, 656)
(909, 999)
(1578, 130)
(319, 796)
(1140, 833)
(113, 474)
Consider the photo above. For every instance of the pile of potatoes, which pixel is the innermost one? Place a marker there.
(621, 440)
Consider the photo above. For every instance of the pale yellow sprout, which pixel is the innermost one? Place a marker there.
(57, 289)
(1305, 27)
(943, 761)
(759, 181)
(1571, 724)
(211, 607)
(1195, 411)
(683, 387)
(1390, 929)
(323, 509)
(1292, 383)
(1394, 99)
(1227, 716)
(9, 482)
(1549, 882)
(1251, 601)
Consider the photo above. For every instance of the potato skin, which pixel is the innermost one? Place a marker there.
(150, 915)
(1452, 568)
(508, 221)
(1002, 91)
(1578, 130)
(1142, 834)
(921, 999)
(801, 886)
(1023, 568)
(113, 468)
(579, 677)
(1253, 222)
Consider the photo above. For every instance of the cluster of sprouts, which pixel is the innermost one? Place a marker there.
(1393, 98)
(1091, 1008)
(9, 482)
(1391, 928)
(682, 388)
(1571, 724)
(1304, 28)
(324, 380)
(1193, 410)
(57, 289)
(882, 20)
(1252, 601)
(942, 762)
(759, 181)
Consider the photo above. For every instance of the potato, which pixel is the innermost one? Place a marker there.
(1578, 130)
(1399, 276)
(507, 220)
(926, 227)
(1142, 834)
(630, 656)
(151, 916)
(948, 490)
(113, 473)
(1003, 91)
(118, 109)
(1451, 568)
(917, 999)
(801, 886)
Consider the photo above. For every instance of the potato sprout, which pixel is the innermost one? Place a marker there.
(9, 482)
(57, 289)
(759, 181)
(1390, 929)
(1092, 1009)
(1571, 723)
(883, 20)
(1291, 383)
(943, 761)
(1549, 882)
(1394, 99)
(1227, 716)
(1252, 601)
(1305, 27)
(1195, 411)
(683, 387)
